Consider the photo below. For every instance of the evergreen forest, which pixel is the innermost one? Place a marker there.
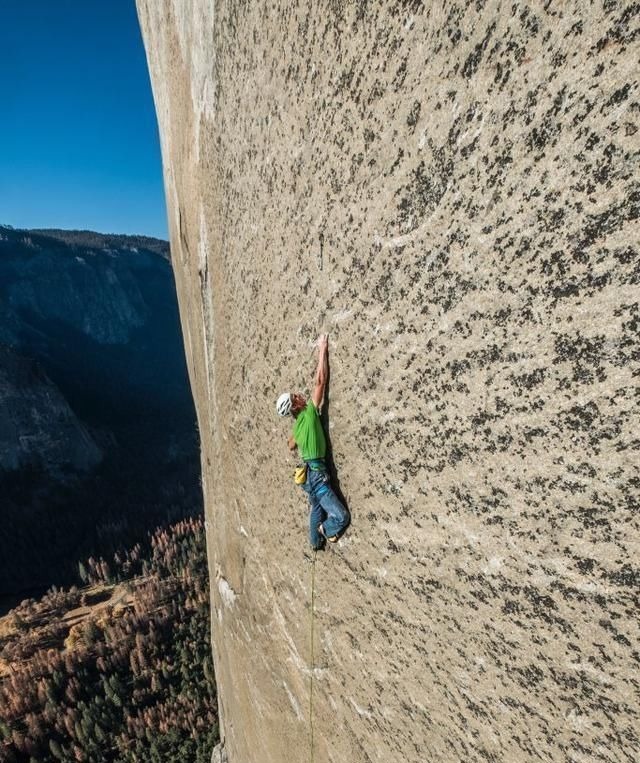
(118, 668)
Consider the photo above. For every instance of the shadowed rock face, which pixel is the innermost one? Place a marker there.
(452, 194)
(37, 426)
(92, 290)
(99, 313)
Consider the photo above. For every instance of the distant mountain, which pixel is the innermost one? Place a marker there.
(98, 433)
(87, 239)
(101, 318)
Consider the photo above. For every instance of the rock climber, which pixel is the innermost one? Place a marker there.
(328, 518)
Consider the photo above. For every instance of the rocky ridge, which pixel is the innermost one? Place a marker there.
(92, 289)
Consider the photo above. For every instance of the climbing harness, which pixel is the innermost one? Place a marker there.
(313, 660)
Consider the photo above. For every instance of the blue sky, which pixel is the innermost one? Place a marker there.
(78, 136)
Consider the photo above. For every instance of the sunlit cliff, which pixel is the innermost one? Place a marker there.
(450, 190)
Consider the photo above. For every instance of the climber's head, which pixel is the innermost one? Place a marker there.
(290, 403)
(298, 403)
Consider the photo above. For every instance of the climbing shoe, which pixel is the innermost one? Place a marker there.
(332, 539)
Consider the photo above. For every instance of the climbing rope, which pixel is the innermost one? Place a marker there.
(312, 659)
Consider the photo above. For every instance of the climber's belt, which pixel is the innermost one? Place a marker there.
(316, 464)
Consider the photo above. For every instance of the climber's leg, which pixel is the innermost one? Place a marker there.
(338, 517)
(316, 516)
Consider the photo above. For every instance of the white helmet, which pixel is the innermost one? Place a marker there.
(283, 404)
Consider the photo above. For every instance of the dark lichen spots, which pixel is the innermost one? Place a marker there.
(397, 161)
(414, 115)
(408, 7)
(400, 75)
(369, 136)
(586, 566)
(530, 675)
(586, 354)
(473, 61)
(576, 29)
(424, 191)
(541, 135)
(619, 95)
(581, 417)
(627, 576)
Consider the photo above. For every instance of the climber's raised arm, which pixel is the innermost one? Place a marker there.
(322, 371)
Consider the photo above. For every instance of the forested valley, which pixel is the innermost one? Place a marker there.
(118, 668)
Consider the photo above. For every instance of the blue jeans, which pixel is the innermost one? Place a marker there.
(326, 508)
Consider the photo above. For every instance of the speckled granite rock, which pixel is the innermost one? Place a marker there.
(453, 194)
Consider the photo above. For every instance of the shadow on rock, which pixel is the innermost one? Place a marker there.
(331, 466)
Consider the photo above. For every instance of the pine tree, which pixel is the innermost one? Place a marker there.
(56, 749)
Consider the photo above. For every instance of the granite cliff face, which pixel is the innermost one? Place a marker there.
(37, 426)
(452, 193)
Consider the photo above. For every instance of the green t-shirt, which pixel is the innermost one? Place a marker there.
(308, 434)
